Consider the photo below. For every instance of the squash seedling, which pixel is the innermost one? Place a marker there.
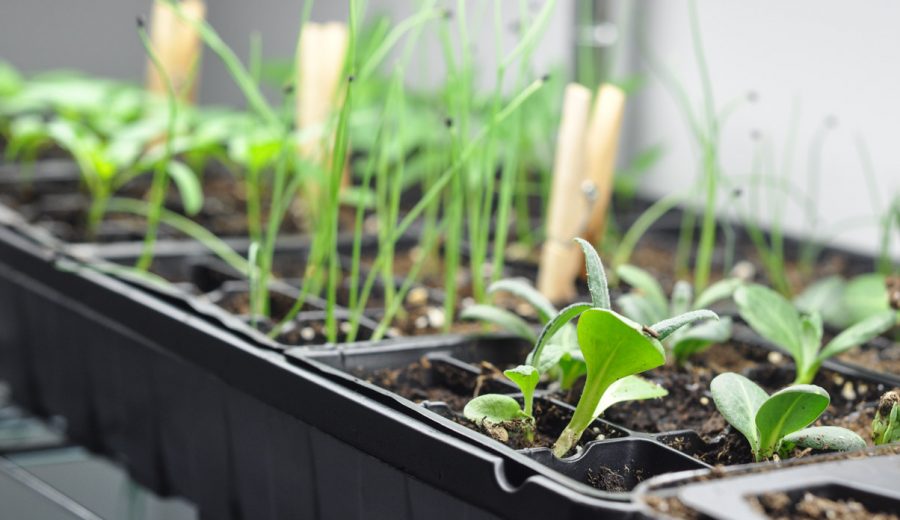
(561, 359)
(777, 423)
(646, 303)
(800, 335)
(612, 345)
(886, 424)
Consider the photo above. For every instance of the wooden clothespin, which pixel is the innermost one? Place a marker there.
(320, 67)
(601, 140)
(178, 46)
(568, 209)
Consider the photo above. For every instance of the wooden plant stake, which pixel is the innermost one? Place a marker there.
(320, 67)
(179, 48)
(601, 140)
(561, 256)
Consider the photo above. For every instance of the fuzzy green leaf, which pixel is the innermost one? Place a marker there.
(553, 326)
(859, 333)
(716, 292)
(503, 318)
(824, 296)
(613, 347)
(597, 284)
(771, 316)
(493, 408)
(738, 399)
(645, 284)
(682, 294)
(787, 411)
(629, 388)
(823, 438)
(188, 187)
(864, 296)
(700, 337)
(638, 308)
(523, 289)
(665, 328)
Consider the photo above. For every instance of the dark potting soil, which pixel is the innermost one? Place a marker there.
(885, 359)
(439, 382)
(780, 506)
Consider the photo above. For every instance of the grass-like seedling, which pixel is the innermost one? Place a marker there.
(646, 303)
(778, 423)
(800, 335)
(612, 345)
(886, 424)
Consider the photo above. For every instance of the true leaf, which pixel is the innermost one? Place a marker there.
(630, 388)
(526, 291)
(646, 284)
(771, 316)
(665, 328)
(639, 308)
(699, 337)
(682, 294)
(859, 333)
(553, 326)
(830, 438)
(597, 284)
(503, 318)
(738, 399)
(718, 291)
(787, 411)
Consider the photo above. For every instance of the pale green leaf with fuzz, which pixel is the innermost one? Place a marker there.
(665, 328)
(721, 290)
(553, 326)
(700, 337)
(738, 399)
(597, 283)
(503, 318)
(646, 285)
(823, 438)
(860, 333)
(771, 316)
(638, 308)
(682, 294)
(523, 289)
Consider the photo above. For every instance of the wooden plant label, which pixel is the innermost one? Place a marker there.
(178, 46)
(601, 142)
(320, 67)
(561, 256)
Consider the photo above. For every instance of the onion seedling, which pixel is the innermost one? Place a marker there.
(886, 424)
(646, 303)
(800, 335)
(777, 423)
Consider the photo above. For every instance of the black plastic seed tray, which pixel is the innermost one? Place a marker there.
(868, 480)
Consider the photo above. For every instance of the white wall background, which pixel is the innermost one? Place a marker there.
(838, 59)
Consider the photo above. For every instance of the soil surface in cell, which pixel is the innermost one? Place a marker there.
(780, 506)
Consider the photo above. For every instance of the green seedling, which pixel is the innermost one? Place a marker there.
(778, 423)
(800, 335)
(646, 303)
(843, 303)
(561, 358)
(886, 425)
(613, 346)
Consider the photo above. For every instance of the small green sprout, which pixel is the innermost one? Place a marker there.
(843, 303)
(886, 425)
(613, 347)
(646, 303)
(561, 358)
(777, 320)
(778, 423)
